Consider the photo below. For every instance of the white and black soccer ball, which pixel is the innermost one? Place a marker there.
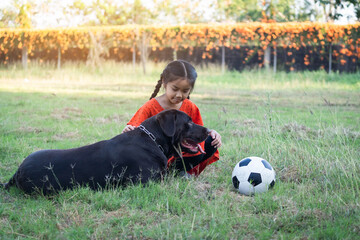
(253, 175)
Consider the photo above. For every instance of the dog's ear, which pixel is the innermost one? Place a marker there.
(167, 121)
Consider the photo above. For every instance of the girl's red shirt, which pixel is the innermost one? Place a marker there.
(152, 107)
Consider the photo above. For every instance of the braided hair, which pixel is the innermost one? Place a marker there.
(173, 71)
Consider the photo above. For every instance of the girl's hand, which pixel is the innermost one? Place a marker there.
(217, 139)
(128, 128)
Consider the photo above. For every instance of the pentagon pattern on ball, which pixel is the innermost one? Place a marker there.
(244, 162)
(235, 182)
(266, 164)
(254, 179)
(272, 184)
(253, 175)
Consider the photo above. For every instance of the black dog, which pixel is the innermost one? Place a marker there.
(132, 157)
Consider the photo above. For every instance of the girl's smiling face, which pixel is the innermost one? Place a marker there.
(178, 90)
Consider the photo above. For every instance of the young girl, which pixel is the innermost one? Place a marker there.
(178, 79)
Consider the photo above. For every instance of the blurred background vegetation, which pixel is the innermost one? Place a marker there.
(70, 13)
(326, 48)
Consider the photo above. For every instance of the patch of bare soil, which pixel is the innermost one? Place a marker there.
(290, 174)
(68, 135)
(29, 129)
(66, 113)
(112, 119)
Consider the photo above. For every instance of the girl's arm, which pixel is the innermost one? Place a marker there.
(216, 139)
(128, 128)
(196, 117)
(143, 113)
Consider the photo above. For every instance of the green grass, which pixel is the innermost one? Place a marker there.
(305, 124)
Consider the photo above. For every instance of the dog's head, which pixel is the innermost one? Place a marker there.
(180, 128)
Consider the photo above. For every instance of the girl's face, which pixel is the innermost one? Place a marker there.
(178, 90)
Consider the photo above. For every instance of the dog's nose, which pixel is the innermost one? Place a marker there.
(208, 131)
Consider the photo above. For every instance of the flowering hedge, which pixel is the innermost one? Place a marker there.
(290, 35)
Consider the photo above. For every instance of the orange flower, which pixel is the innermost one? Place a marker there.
(210, 36)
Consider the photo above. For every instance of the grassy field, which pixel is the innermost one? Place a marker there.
(305, 124)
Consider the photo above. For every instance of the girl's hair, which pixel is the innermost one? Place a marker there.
(175, 70)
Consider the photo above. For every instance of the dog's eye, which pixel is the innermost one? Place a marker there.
(188, 125)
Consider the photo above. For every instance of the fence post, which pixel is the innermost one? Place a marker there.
(275, 59)
(144, 51)
(134, 55)
(24, 57)
(174, 55)
(59, 58)
(330, 57)
(136, 43)
(267, 56)
(223, 59)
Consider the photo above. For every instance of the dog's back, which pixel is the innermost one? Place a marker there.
(135, 156)
(96, 165)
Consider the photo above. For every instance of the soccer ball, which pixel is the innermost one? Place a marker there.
(253, 175)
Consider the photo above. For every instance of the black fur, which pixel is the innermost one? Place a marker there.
(130, 157)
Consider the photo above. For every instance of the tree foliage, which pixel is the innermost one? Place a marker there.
(17, 14)
(331, 8)
(21, 13)
(240, 10)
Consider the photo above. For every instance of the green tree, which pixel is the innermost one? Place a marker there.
(291, 10)
(108, 12)
(239, 10)
(306, 11)
(99, 12)
(188, 11)
(139, 14)
(17, 14)
(277, 10)
(283, 11)
(331, 8)
(24, 15)
(7, 18)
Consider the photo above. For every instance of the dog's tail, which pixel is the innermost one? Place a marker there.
(7, 185)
